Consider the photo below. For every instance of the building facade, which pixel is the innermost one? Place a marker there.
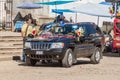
(9, 10)
(35, 12)
(5, 12)
(2, 11)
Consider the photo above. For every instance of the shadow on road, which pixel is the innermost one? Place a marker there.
(110, 54)
(42, 65)
(83, 62)
(55, 64)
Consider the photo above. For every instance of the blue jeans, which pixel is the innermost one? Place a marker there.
(23, 56)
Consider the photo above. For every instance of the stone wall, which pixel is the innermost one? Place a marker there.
(36, 13)
(2, 11)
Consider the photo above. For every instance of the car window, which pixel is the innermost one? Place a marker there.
(83, 29)
(74, 27)
(91, 29)
(88, 29)
(99, 30)
(58, 29)
(118, 27)
(70, 28)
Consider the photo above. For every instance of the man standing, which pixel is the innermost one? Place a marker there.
(26, 28)
(25, 32)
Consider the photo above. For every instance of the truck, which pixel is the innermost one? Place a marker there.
(62, 44)
(115, 11)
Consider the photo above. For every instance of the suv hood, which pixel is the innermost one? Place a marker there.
(52, 38)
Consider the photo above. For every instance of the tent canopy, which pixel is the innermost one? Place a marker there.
(106, 3)
(56, 2)
(29, 5)
(61, 11)
(93, 9)
(101, 9)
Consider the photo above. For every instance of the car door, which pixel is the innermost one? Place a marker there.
(92, 38)
(81, 48)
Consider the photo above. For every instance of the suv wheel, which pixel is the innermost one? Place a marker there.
(96, 56)
(68, 58)
(30, 62)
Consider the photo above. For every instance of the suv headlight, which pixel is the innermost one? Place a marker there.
(27, 45)
(57, 45)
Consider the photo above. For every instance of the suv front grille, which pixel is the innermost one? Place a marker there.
(40, 45)
(43, 56)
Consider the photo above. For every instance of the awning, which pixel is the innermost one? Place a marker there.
(29, 5)
(93, 9)
(56, 2)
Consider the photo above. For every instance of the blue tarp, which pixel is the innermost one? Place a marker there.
(61, 11)
(106, 3)
(56, 2)
(29, 5)
(18, 25)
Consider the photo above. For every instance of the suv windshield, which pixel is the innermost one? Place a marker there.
(66, 29)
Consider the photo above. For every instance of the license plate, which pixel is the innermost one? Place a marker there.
(39, 52)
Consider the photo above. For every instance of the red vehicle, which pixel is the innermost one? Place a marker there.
(116, 42)
(115, 10)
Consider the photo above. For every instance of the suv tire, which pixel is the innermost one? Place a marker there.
(30, 62)
(96, 56)
(68, 58)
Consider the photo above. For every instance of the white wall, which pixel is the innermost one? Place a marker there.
(2, 10)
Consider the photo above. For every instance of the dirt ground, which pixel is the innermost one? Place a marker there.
(108, 69)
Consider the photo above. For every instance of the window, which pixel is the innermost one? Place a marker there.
(70, 28)
(58, 29)
(118, 26)
(88, 28)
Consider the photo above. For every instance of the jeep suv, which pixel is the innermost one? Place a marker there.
(62, 44)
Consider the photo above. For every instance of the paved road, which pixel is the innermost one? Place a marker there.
(108, 69)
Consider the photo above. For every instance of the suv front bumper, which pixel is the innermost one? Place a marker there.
(55, 54)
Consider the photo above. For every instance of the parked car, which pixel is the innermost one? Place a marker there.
(62, 44)
(109, 45)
